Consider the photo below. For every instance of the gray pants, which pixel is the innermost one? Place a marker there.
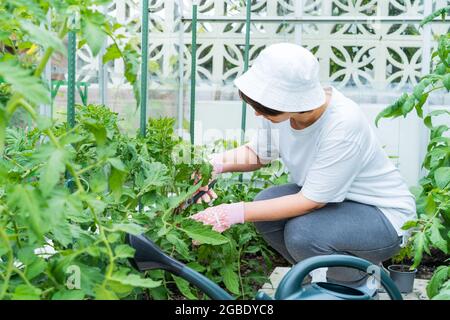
(348, 227)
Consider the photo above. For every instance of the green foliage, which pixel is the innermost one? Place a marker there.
(431, 229)
(28, 41)
(441, 12)
(439, 286)
(51, 226)
(68, 195)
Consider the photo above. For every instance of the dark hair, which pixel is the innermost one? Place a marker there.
(259, 107)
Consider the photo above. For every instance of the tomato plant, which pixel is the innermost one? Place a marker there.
(432, 228)
(51, 225)
(68, 195)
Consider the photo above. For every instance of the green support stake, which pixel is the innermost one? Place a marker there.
(144, 68)
(144, 75)
(246, 58)
(193, 70)
(71, 72)
(72, 47)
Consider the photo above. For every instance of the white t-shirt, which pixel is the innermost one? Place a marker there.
(338, 157)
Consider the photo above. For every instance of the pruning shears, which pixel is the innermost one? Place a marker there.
(194, 198)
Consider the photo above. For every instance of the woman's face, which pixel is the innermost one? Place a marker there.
(275, 119)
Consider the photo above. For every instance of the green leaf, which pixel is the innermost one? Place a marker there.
(442, 177)
(135, 281)
(410, 224)
(419, 242)
(434, 113)
(26, 200)
(420, 87)
(416, 191)
(116, 181)
(98, 131)
(94, 34)
(408, 105)
(117, 164)
(131, 228)
(156, 174)
(180, 246)
(102, 293)
(111, 53)
(35, 268)
(23, 82)
(91, 277)
(430, 207)
(52, 171)
(124, 251)
(443, 46)
(435, 236)
(153, 66)
(446, 81)
(443, 295)
(25, 292)
(68, 295)
(43, 37)
(230, 278)
(441, 274)
(196, 266)
(183, 286)
(441, 12)
(393, 110)
(3, 125)
(204, 234)
(419, 105)
(26, 255)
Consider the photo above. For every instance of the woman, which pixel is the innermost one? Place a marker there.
(345, 195)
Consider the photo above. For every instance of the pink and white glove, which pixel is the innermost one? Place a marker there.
(221, 217)
(217, 163)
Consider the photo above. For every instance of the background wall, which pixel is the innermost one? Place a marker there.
(371, 62)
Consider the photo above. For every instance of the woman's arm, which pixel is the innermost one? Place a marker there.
(225, 215)
(279, 208)
(240, 159)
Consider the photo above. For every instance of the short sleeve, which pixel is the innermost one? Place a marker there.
(265, 142)
(335, 167)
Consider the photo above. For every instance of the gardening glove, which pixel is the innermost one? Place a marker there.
(210, 195)
(217, 163)
(221, 217)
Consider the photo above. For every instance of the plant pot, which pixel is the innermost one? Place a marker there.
(402, 277)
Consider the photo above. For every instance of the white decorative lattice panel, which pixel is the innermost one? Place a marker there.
(373, 54)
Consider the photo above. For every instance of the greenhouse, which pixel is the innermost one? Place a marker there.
(225, 149)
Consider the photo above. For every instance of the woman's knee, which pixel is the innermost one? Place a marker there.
(301, 241)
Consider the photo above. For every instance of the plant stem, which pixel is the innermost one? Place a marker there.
(239, 273)
(434, 89)
(110, 267)
(49, 52)
(10, 266)
(92, 166)
(22, 275)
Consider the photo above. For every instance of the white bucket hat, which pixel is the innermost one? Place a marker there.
(284, 77)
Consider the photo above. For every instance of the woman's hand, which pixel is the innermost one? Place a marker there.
(209, 195)
(221, 217)
(217, 165)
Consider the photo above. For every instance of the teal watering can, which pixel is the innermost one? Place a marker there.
(149, 256)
